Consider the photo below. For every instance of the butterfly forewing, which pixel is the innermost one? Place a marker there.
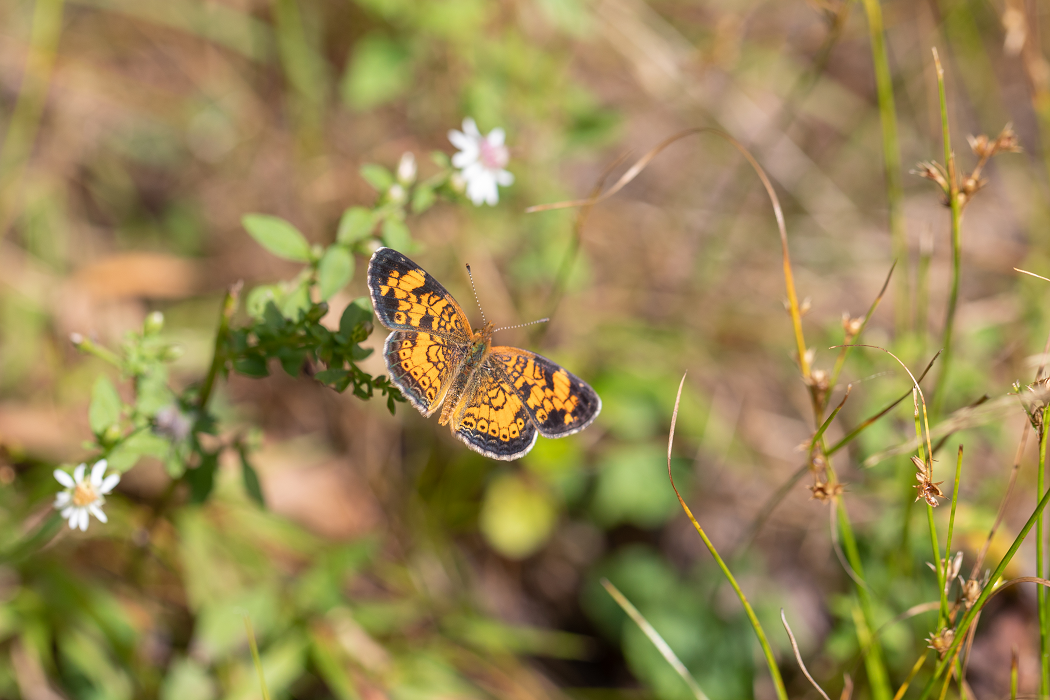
(558, 401)
(406, 297)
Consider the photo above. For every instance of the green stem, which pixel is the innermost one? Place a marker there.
(873, 661)
(956, 215)
(103, 353)
(1040, 566)
(955, 500)
(890, 152)
(218, 359)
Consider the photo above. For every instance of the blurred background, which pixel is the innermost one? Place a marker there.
(390, 561)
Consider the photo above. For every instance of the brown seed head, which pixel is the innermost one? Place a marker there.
(941, 641)
(933, 171)
(928, 490)
(824, 492)
(971, 590)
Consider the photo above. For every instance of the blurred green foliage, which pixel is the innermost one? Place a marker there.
(260, 141)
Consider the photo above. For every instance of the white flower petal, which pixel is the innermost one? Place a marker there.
(492, 195)
(461, 140)
(68, 511)
(464, 159)
(97, 473)
(97, 512)
(62, 499)
(504, 177)
(470, 128)
(478, 185)
(108, 483)
(78, 473)
(82, 516)
(496, 137)
(64, 478)
(74, 517)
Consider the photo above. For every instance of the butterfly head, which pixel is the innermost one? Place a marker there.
(480, 341)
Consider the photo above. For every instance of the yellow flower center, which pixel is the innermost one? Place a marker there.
(84, 495)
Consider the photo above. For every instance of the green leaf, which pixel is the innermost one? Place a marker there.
(422, 199)
(296, 303)
(396, 234)
(142, 444)
(291, 360)
(251, 480)
(202, 479)
(258, 299)
(358, 353)
(357, 224)
(356, 313)
(105, 406)
(379, 70)
(152, 390)
(335, 270)
(338, 379)
(277, 236)
(252, 366)
(377, 176)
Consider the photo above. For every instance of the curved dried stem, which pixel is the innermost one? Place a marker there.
(778, 212)
(654, 637)
(798, 655)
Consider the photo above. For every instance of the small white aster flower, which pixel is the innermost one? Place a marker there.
(481, 160)
(81, 497)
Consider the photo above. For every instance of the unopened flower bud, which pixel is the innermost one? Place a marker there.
(406, 169)
(154, 323)
(111, 434)
(396, 193)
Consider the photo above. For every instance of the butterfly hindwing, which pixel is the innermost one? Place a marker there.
(558, 401)
(423, 366)
(406, 297)
(492, 418)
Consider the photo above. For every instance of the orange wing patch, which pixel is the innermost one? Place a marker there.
(422, 365)
(557, 400)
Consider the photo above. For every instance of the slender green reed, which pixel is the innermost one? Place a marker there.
(873, 660)
(891, 155)
(955, 500)
(25, 119)
(767, 651)
(956, 218)
(255, 657)
(1040, 564)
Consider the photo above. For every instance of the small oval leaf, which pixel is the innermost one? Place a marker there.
(334, 271)
(357, 224)
(105, 406)
(277, 236)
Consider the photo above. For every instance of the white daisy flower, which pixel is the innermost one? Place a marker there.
(81, 497)
(481, 160)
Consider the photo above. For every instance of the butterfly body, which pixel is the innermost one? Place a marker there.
(496, 399)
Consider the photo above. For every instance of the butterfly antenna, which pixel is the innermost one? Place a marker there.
(522, 325)
(483, 321)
